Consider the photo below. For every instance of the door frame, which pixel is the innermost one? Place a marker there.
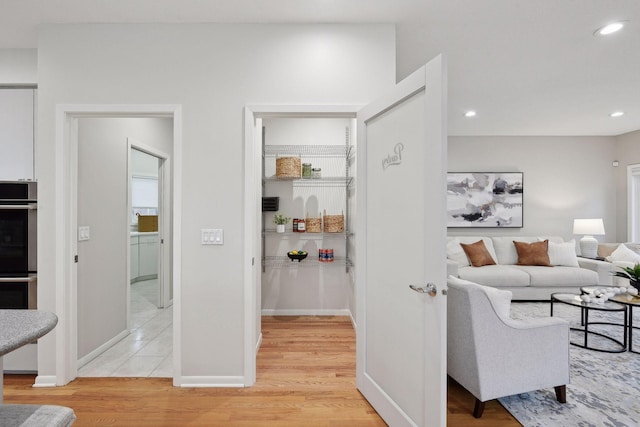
(633, 202)
(253, 115)
(65, 281)
(164, 228)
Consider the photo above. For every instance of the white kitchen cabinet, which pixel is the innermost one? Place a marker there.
(17, 134)
(135, 270)
(144, 256)
(148, 255)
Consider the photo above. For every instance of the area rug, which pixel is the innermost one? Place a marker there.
(604, 388)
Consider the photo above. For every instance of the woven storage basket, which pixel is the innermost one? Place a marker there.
(288, 167)
(147, 223)
(333, 223)
(314, 225)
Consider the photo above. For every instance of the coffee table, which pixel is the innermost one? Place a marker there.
(585, 308)
(630, 301)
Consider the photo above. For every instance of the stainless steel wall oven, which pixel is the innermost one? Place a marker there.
(18, 244)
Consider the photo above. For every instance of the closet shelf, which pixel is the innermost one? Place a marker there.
(305, 235)
(310, 261)
(341, 151)
(338, 181)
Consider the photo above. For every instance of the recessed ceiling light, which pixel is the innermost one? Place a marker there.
(617, 114)
(470, 113)
(610, 28)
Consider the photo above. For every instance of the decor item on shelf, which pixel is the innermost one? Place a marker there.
(484, 199)
(631, 273)
(280, 220)
(270, 204)
(296, 255)
(314, 224)
(288, 167)
(316, 173)
(333, 223)
(306, 170)
(588, 228)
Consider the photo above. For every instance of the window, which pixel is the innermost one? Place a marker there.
(144, 197)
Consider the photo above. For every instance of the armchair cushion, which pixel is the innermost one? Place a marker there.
(500, 299)
(623, 253)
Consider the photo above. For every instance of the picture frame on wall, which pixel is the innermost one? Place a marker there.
(484, 199)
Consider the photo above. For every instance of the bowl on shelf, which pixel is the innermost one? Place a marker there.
(297, 255)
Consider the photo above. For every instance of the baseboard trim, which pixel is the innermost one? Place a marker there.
(104, 347)
(212, 382)
(306, 312)
(45, 381)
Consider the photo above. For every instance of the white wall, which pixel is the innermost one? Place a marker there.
(212, 71)
(18, 66)
(102, 205)
(564, 178)
(627, 153)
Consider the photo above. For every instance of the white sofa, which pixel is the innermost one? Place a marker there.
(567, 274)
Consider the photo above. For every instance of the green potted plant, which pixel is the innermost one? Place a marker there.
(631, 273)
(280, 221)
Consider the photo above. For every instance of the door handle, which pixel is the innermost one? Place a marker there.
(430, 289)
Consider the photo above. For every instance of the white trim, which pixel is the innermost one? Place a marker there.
(65, 227)
(101, 349)
(235, 381)
(43, 381)
(308, 312)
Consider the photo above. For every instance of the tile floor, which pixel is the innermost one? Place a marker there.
(147, 351)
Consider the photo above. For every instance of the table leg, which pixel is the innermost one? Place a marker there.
(630, 326)
(1, 378)
(586, 327)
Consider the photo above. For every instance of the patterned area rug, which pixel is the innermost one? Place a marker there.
(604, 388)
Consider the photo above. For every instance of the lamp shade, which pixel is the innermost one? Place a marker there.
(590, 227)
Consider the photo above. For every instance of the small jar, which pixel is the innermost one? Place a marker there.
(294, 228)
(316, 172)
(302, 226)
(306, 170)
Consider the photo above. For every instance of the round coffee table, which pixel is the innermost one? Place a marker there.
(585, 307)
(630, 301)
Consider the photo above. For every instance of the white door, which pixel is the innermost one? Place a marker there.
(401, 336)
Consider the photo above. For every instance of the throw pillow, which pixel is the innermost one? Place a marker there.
(563, 254)
(456, 253)
(478, 254)
(533, 253)
(623, 253)
(500, 299)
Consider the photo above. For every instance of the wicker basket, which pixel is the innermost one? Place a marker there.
(333, 223)
(147, 223)
(314, 225)
(288, 167)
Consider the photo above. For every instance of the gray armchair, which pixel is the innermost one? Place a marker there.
(492, 355)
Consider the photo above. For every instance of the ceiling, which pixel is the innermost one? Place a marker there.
(528, 67)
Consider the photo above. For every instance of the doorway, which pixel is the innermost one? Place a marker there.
(69, 287)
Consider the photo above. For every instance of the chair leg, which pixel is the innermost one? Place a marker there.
(561, 393)
(478, 409)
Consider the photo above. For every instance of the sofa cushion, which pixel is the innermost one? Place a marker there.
(536, 253)
(472, 239)
(563, 254)
(478, 254)
(506, 250)
(623, 253)
(456, 253)
(495, 275)
(559, 276)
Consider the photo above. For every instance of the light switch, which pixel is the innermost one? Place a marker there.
(83, 233)
(211, 236)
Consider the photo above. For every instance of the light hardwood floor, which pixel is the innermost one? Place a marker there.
(305, 377)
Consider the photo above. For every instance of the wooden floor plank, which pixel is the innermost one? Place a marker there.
(305, 377)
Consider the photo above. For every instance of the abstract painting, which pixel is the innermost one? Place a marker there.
(484, 199)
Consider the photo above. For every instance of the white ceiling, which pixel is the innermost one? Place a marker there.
(529, 67)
